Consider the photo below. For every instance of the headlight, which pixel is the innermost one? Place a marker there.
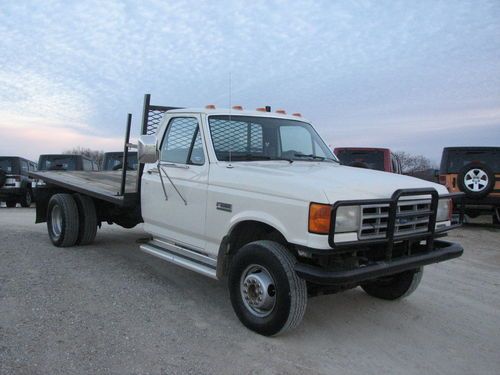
(444, 210)
(347, 219)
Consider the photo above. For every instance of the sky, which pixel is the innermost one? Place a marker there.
(409, 75)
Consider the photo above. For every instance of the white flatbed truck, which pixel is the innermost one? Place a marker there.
(257, 199)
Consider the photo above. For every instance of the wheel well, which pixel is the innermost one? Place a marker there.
(243, 233)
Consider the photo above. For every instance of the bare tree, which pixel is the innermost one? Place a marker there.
(96, 155)
(413, 163)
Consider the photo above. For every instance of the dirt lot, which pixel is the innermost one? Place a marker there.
(108, 308)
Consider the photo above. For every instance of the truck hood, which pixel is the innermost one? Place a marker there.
(313, 181)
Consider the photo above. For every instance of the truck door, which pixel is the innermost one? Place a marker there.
(174, 204)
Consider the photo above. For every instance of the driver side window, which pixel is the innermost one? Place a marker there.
(182, 143)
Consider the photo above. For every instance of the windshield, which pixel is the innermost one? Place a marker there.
(8, 165)
(113, 161)
(57, 162)
(372, 159)
(246, 138)
(457, 159)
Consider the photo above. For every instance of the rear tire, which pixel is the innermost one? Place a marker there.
(396, 286)
(27, 199)
(87, 219)
(11, 204)
(267, 295)
(62, 220)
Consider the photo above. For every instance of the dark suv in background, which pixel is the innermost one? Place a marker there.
(381, 159)
(64, 162)
(15, 184)
(476, 172)
(113, 161)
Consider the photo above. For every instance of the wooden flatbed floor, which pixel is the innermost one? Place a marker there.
(103, 185)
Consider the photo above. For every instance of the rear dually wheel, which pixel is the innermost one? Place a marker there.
(62, 220)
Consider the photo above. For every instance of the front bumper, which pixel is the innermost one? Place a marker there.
(443, 250)
(391, 251)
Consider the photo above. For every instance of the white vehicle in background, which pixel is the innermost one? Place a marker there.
(258, 199)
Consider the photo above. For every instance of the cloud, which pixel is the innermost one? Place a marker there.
(351, 67)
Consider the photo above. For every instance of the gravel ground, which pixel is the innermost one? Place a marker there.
(108, 308)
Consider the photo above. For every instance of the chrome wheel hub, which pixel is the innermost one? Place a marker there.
(476, 180)
(258, 290)
(56, 220)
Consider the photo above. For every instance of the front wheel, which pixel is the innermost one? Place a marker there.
(27, 199)
(395, 286)
(267, 295)
(11, 204)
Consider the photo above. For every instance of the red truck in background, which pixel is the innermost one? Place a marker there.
(381, 159)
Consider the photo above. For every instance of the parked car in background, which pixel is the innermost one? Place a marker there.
(64, 162)
(381, 159)
(15, 184)
(113, 161)
(476, 172)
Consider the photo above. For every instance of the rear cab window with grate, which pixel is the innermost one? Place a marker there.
(237, 137)
(182, 142)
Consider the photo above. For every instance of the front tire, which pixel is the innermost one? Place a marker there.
(11, 204)
(395, 286)
(267, 295)
(27, 198)
(62, 220)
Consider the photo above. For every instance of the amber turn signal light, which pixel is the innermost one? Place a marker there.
(319, 218)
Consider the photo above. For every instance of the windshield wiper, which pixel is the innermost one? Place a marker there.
(250, 157)
(312, 156)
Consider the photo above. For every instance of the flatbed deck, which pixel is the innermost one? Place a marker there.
(103, 185)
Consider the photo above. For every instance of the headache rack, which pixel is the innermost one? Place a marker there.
(152, 115)
(386, 221)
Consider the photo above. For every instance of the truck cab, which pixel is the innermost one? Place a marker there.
(15, 183)
(257, 199)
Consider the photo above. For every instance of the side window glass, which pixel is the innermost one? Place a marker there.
(182, 135)
(197, 156)
(24, 167)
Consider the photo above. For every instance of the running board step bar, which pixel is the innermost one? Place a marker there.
(189, 259)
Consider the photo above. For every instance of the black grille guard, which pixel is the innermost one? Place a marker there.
(393, 214)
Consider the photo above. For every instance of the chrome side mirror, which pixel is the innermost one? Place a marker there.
(146, 149)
